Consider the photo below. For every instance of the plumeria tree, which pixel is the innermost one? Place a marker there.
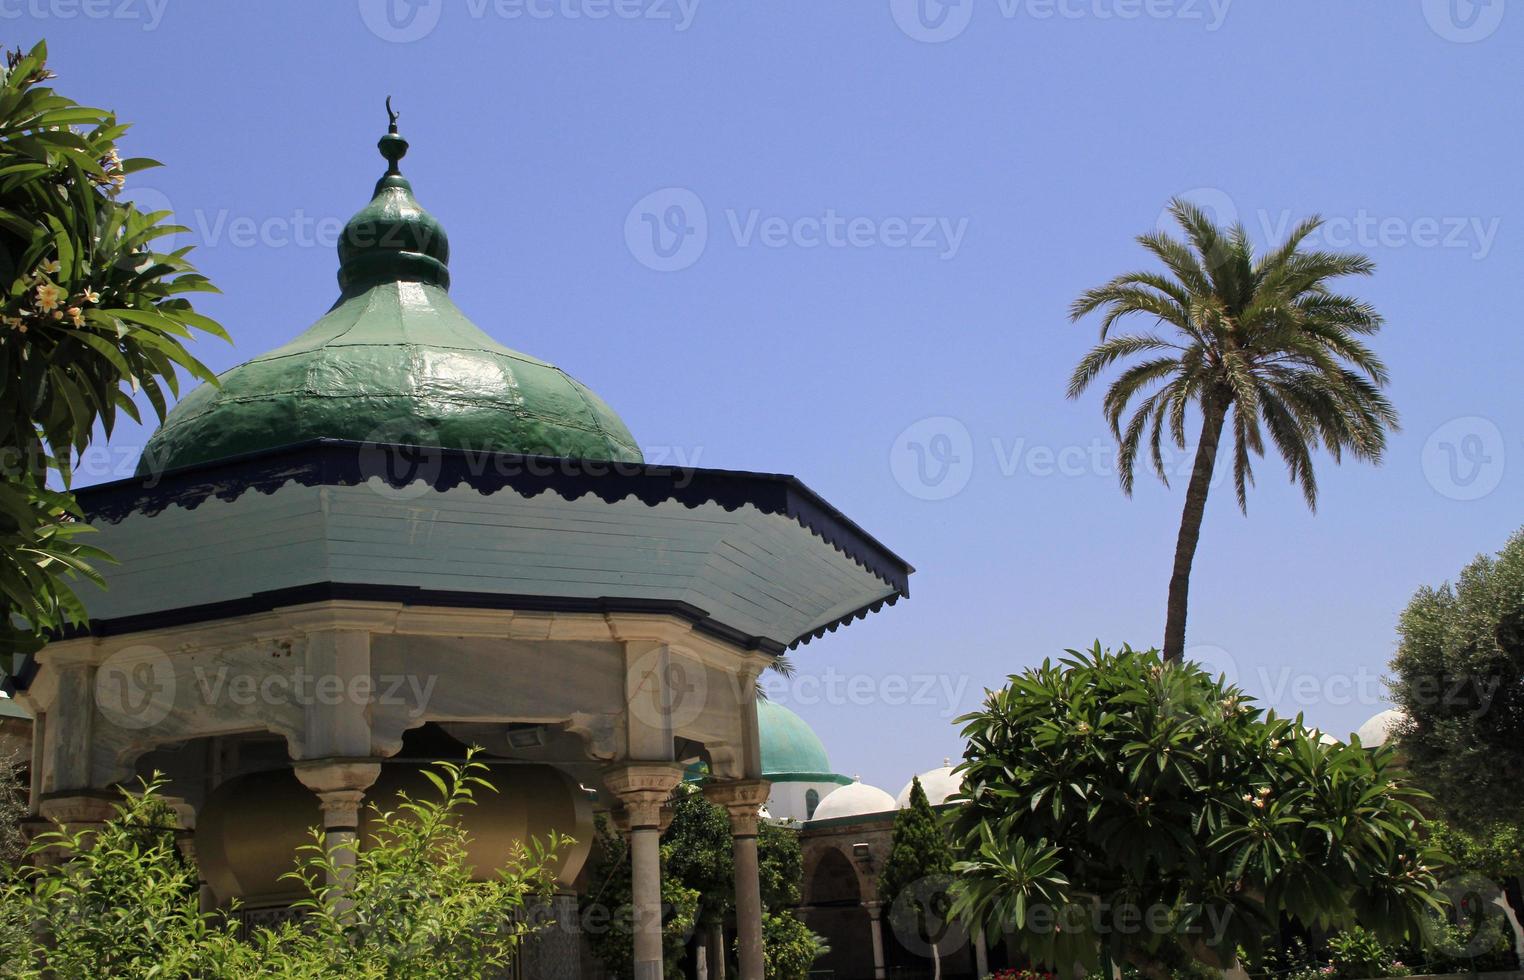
(1123, 804)
(91, 315)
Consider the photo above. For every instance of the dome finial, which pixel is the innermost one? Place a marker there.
(393, 147)
(393, 239)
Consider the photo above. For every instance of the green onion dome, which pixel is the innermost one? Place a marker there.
(790, 747)
(394, 361)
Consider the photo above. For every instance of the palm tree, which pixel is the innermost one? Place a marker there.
(1255, 344)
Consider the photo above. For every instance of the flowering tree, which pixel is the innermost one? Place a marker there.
(1119, 802)
(90, 314)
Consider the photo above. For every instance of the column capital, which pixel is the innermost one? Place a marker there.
(77, 808)
(340, 785)
(643, 787)
(742, 798)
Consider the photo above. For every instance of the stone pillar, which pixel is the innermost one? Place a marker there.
(876, 926)
(742, 798)
(643, 787)
(340, 785)
(71, 812)
(716, 943)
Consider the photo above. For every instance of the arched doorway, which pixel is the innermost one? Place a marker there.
(833, 908)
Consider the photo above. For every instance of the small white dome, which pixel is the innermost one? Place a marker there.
(855, 800)
(1378, 729)
(940, 785)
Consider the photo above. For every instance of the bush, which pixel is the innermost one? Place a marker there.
(1117, 798)
(789, 947)
(1359, 955)
(12, 810)
(120, 902)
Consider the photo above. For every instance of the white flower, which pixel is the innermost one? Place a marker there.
(48, 297)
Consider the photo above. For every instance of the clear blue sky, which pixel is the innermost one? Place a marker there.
(965, 171)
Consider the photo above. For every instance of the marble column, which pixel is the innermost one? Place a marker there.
(716, 945)
(340, 785)
(643, 787)
(742, 799)
(876, 926)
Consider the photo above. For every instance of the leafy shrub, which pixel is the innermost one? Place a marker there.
(1358, 955)
(12, 810)
(1117, 798)
(119, 901)
(789, 947)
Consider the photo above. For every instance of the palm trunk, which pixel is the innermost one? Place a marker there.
(1190, 529)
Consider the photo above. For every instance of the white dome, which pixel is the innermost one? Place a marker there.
(939, 784)
(855, 800)
(1378, 729)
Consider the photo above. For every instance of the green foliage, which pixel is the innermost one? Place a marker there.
(1265, 336)
(90, 314)
(780, 866)
(1460, 682)
(12, 811)
(1357, 955)
(790, 949)
(919, 850)
(1260, 346)
(1495, 851)
(120, 902)
(698, 840)
(915, 878)
(698, 881)
(414, 911)
(608, 912)
(1114, 797)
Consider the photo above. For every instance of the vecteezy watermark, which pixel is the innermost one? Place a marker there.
(666, 690)
(937, 21)
(1464, 21)
(244, 689)
(935, 459)
(1472, 921)
(405, 21)
(1285, 686)
(222, 227)
(138, 687)
(922, 920)
(1464, 459)
(669, 229)
(945, 692)
(135, 687)
(149, 13)
(1362, 230)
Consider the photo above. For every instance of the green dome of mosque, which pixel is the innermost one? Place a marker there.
(790, 746)
(394, 361)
